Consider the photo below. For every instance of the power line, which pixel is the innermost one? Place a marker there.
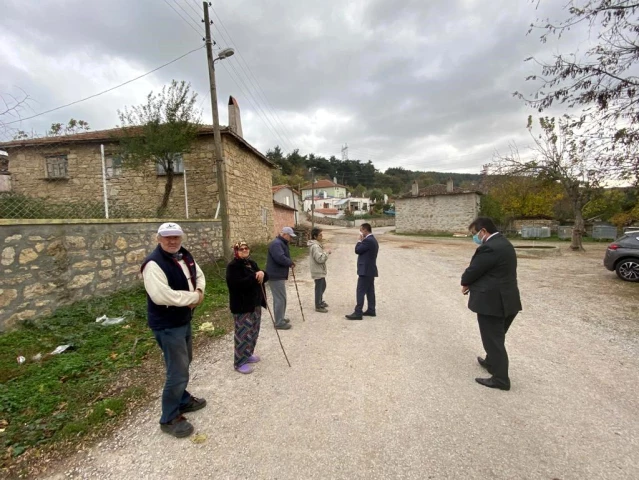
(108, 90)
(257, 89)
(232, 76)
(187, 13)
(185, 20)
(197, 12)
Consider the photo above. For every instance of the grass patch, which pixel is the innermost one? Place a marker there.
(67, 396)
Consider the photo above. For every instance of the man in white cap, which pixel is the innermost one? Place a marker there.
(174, 285)
(278, 263)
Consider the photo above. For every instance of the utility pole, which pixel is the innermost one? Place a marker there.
(217, 140)
(312, 198)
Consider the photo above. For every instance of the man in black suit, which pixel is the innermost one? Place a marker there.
(491, 280)
(366, 249)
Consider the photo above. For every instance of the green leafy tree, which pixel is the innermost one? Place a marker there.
(376, 196)
(160, 131)
(359, 190)
(72, 127)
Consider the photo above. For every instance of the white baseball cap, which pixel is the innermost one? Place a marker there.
(170, 230)
(289, 231)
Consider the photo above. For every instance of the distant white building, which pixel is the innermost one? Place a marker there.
(356, 205)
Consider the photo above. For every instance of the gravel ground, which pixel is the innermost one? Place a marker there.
(394, 396)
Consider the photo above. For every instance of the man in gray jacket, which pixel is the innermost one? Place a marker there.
(278, 262)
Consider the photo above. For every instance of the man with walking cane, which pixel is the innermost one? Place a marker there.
(278, 262)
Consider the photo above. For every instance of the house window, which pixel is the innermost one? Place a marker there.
(178, 165)
(57, 166)
(113, 165)
(327, 205)
(264, 216)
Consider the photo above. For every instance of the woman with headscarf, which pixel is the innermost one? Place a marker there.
(247, 296)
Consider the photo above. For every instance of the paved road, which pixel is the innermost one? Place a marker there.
(394, 396)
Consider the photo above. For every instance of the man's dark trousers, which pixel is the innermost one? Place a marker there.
(177, 347)
(493, 336)
(365, 287)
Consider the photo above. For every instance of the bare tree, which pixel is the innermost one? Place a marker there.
(602, 81)
(11, 109)
(561, 155)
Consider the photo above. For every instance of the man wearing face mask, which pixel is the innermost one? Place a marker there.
(174, 284)
(491, 281)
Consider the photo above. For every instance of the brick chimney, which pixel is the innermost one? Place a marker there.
(414, 189)
(235, 121)
(449, 185)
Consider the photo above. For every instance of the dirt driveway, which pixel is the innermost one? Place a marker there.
(394, 396)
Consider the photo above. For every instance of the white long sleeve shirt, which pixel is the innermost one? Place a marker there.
(157, 286)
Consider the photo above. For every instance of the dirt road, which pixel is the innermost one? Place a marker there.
(394, 396)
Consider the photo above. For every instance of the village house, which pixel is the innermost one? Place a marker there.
(283, 216)
(288, 196)
(325, 188)
(436, 209)
(70, 170)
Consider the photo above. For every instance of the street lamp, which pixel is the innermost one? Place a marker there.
(226, 53)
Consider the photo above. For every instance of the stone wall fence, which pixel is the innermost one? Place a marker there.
(48, 263)
(374, 222)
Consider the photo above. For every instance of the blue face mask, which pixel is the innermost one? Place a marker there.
(476, 239)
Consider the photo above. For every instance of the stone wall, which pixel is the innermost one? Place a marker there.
(250, 194)
(374, 222)
(517, 224)
(138, 191)
(282, 217)
(437, 213)
(45, 265)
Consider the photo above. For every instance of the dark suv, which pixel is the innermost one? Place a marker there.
(622, 256)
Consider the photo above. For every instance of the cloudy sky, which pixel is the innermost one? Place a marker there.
(423, 84)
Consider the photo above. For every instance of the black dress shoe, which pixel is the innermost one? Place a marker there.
(491, 383)
(354, 316)
(369, 314)
(483, 363)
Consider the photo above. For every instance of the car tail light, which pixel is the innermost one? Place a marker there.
(613, 246)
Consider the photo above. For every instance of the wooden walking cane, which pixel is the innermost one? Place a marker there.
(273, 320)
(298, 293)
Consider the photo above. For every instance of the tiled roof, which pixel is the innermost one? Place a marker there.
(323, 183)
(282, 205)
(111, 135)
(327, 211)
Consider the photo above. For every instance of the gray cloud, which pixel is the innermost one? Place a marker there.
(408, 82)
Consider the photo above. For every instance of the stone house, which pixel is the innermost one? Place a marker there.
(70, 170)
(325, 188)
(437, 209)
(288, 196)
